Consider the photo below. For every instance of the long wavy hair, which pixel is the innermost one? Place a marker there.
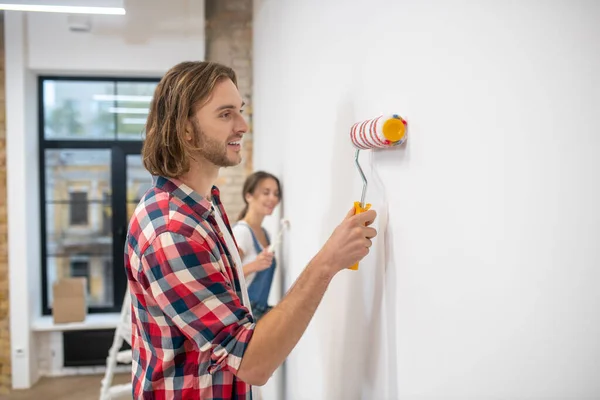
(184, 88)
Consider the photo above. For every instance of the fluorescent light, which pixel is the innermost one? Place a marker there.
(134, 121)
(124, 110)
(64, 9)
(119, 97)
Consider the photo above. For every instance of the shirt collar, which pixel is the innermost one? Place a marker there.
(201, 205)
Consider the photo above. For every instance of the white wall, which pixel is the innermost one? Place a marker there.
(484, 281)
(41, 43)
(22, 203)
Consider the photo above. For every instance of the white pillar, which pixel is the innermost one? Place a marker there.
(22, 202)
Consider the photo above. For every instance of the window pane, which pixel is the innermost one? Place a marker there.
(79, 110)
(139, 181)
(79, 220)
(133, 102)
(97, 270)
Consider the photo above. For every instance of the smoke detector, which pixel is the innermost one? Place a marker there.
(79, 23)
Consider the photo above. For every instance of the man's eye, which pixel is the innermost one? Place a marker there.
(226, 115)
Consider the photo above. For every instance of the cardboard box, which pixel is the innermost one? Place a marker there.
(70, 300)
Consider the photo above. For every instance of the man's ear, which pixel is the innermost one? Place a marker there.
(189, 130)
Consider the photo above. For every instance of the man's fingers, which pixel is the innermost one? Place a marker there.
(366, 218)
(370, 233)
(350, 213)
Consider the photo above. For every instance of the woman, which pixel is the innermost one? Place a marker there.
(261, 193)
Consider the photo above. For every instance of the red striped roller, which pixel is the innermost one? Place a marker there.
(379, 132)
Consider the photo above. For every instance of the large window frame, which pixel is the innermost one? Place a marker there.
(119, 150)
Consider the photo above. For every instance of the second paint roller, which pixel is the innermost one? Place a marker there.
(377, 133)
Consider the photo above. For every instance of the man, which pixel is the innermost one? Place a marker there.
(194, 336)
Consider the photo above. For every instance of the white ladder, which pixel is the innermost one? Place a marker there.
(122, 334)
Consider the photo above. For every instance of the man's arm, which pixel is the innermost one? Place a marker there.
(278, 332)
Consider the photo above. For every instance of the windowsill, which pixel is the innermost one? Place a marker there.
(92, 321)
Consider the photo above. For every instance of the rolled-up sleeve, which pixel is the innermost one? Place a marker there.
(190, 288)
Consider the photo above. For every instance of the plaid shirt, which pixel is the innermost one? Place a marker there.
(190, 329)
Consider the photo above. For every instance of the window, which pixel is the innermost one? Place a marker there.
(81, 269)
(79, 208)
(91, 132)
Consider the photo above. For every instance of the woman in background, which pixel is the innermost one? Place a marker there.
(261, 193)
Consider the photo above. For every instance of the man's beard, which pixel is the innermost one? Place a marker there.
(212, 150)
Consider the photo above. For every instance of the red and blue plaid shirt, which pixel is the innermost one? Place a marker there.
(190, 328)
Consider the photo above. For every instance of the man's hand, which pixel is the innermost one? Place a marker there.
(350, 241)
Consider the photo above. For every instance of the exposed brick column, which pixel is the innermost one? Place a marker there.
(229, 42)
(5, 378)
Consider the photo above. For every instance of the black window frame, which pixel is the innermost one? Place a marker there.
(119, 151)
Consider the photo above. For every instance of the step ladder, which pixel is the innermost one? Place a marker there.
(122, 334)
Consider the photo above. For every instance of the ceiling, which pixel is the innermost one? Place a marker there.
(147, 18)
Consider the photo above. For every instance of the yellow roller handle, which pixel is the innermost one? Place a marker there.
(357, 210)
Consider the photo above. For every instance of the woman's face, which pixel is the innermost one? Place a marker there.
(265, 197)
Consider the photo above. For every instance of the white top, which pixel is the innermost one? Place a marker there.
(242, 234)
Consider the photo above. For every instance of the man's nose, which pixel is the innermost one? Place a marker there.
(242, 126)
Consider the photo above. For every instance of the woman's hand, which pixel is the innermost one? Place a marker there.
(263, 260)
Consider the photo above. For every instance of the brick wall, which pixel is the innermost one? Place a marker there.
(4, 326)
(229, 41)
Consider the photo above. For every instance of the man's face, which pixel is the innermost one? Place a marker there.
(219, 126)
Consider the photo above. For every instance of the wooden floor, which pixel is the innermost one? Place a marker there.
(68, 388)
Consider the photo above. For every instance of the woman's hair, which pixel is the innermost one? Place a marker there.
(252, 181)
(182, 89)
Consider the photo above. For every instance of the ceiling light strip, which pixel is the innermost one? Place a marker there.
(64, 9)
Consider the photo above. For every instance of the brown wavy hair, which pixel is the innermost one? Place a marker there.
(252, 181)
(184, 88)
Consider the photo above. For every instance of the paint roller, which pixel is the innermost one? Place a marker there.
(382, 132)
(285, 224)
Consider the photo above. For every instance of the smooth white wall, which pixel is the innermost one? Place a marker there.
(484, 281)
